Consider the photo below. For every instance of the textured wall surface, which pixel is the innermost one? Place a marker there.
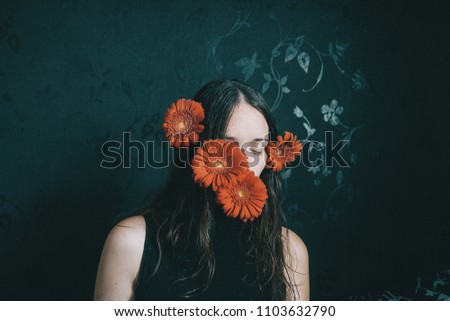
(74, 74)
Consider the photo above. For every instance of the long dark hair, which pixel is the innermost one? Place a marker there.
(184, 213)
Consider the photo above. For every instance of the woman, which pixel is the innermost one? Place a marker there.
(185, 245)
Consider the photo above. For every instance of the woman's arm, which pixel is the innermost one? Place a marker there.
(120, 260)
(296, 257)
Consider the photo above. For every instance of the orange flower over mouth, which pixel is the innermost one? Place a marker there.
(182, 122)
(218, 163)
(244, 199)
(284, 151)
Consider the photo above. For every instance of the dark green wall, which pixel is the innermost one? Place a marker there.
(74, 74)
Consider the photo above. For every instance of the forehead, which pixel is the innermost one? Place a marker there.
(247, 123)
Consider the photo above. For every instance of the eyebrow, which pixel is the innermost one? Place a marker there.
(257, 139)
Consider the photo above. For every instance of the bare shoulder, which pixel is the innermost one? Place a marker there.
(293, 242)
(120, 260)
(134, 226)
(128, 234)
(297, 270)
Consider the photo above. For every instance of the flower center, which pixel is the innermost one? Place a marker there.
(182, 124)
(241, 193)
(218, 163)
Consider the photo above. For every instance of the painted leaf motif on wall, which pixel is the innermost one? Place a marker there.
(291, 52)
(242, 62)
(299, 41)
(303, 60)
(275, 52)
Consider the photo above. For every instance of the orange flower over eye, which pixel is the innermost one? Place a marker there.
(284, 151)
(244, 199)
(182, 122)
(218, 163)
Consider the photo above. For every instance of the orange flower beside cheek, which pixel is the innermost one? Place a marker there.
(182, 122)
(285, 150)
(218, 163)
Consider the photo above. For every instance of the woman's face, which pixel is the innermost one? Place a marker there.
(249, 128)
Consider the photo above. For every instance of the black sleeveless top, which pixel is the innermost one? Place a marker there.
(234, 277)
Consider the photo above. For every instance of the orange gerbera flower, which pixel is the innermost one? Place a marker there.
(245, 199)
(218, 163)
(182, 122)
(285, 150)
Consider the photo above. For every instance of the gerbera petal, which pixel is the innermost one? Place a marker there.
(227, 206)
(200, 128)
(208, 180)
(285, 150)
(182, 120)
(254, 210)
(234, 211)
(177, 142)
(244, 213)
